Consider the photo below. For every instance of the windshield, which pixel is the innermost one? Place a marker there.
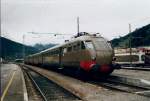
(89, 45)
(102, 44)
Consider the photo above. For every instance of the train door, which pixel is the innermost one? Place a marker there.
(147, 58)
(63, 55)
(42, 59)
(77, 53)
(60, 56)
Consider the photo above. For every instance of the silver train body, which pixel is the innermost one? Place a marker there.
(88, 53)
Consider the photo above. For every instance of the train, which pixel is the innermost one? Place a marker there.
(85, 53)
(138, 57)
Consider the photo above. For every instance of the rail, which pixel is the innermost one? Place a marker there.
(36, 85)
(48, 89)
(137, 68)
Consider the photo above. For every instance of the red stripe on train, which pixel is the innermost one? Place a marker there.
(105, 68)
(87, 65)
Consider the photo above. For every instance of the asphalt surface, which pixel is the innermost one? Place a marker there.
(12, 85)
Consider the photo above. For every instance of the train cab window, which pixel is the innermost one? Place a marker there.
(89, 45)
(82, 45)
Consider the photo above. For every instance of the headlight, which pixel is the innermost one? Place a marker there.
(93, 58)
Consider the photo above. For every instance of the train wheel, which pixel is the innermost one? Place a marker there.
(82, 74)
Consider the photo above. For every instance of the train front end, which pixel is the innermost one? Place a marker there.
(101, 53)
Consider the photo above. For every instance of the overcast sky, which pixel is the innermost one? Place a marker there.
(108, 17)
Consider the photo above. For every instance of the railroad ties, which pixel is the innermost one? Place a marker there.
(46, 90)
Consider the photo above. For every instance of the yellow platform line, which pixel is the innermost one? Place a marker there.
(7, 87)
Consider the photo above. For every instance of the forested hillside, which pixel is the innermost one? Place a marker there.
(41, 47)
(140, 37)
(11, 50)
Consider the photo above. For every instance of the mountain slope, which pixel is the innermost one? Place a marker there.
(140, 37)
(10, 50)
(41, 47)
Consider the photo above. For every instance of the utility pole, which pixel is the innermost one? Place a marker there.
(23, 51)
(130, 44)
(78, 30)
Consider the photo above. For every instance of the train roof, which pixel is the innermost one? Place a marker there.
(80, 38)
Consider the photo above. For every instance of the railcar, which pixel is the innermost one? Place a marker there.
(138, 58)
(89, 53)
(18, 61)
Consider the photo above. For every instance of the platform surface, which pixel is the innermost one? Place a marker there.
(85, 90)
(12, 84)
(139, 74)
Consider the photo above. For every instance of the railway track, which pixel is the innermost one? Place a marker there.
(124, 85)
(137, 68)
(33, 93)
(97, 88)
(47, 90)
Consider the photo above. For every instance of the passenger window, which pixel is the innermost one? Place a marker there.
(69, 49)
(78, 46)
(65, 50)
(56, 52)
(75, 47)
(50, 53)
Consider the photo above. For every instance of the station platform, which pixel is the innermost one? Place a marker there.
(139, 74)
(12, 83)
